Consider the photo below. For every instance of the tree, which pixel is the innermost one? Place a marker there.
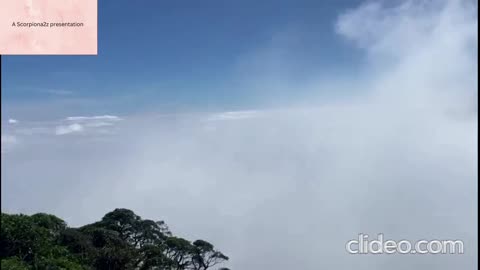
(205, 256)
(53, 224)
(133, 229)
(180, 252)
(13, 263)
(153, 257)
(121, 240)
(33, 240)
(22, 237)
(78, 243)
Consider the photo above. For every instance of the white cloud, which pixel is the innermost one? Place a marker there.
(422, 51)
(89, 123)
(99, 124)
(99, 117)
(236, 115)
(92, 126)
(73, 128)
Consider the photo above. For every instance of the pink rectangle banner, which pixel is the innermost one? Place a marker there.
(48, 27)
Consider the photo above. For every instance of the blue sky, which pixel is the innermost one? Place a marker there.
(176, 55)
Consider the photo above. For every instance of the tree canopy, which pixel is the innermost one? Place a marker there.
(120, 240)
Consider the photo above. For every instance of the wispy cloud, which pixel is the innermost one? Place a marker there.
(80, 123)
(73, 128)
(235, 115)
(87, 125)
(58, 92)
(97, 117)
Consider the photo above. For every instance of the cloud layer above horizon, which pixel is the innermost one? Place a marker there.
(286, 188)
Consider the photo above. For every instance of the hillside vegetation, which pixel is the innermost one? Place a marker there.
(120, 240)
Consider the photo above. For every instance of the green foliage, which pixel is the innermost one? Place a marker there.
(205, 256)
(50, 222)
(120, 240)
(13, 263)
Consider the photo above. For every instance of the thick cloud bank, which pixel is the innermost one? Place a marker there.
(286, 189)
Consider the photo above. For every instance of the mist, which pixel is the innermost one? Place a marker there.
(287, 187)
